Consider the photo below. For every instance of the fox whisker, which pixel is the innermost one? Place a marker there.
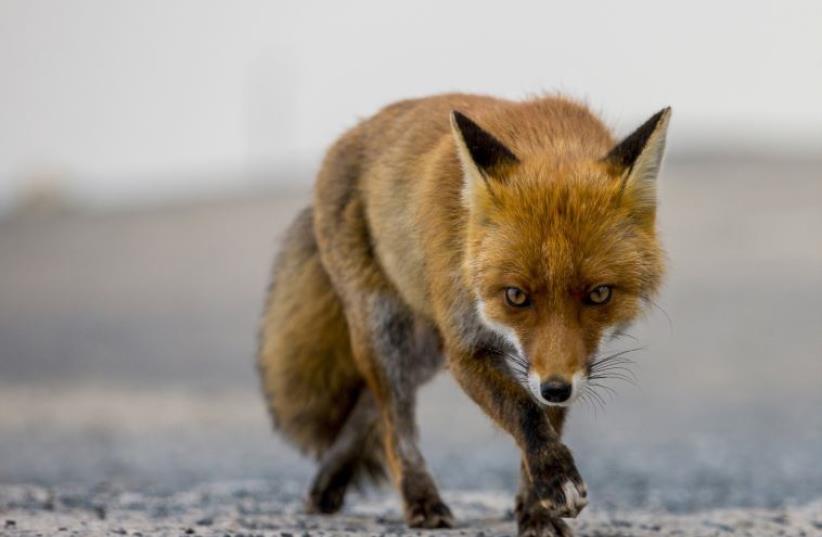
(585, 398)
(623, 378)
(595, 396)
(625, 335)
(616, 355)
(661, 309)
(621, 368)
(595, 385)
(618, 360)
(616, 365)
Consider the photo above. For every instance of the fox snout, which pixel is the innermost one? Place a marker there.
(556, 390)
(558, 366)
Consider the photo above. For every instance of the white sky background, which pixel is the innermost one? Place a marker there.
(118, 101)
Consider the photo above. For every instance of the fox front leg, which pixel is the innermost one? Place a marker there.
(533, 519)
(555, 483)
(554, 480)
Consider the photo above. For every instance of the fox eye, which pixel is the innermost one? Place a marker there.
(599, 295)
(516, 297)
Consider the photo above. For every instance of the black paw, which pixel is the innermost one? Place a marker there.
(556, 482)
(533, 520)
(543, 527)
(428, 513)
(325, 498)
(568, 499)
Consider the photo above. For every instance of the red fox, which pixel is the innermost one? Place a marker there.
(502, 239)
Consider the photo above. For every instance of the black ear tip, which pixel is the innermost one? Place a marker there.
(460, 120)
(663, 114)
(486, 151)
(628, 150)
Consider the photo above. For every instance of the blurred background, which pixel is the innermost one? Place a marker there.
(152, 152)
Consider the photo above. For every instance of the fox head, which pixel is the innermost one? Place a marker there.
(561, 249)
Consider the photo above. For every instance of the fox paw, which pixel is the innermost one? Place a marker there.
(533, 519)
(542, 526)
(325, 500)
(557, 484)
(567, 500)
(428, 513)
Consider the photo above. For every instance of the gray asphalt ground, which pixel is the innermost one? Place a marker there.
(128, 397)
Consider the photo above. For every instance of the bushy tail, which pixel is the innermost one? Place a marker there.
(309, 378)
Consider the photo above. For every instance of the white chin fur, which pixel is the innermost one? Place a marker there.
(577, 385)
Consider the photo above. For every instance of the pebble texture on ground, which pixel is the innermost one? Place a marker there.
(256, 509)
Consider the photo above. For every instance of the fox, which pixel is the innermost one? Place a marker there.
(501, 240)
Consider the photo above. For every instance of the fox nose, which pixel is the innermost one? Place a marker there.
(555, 390)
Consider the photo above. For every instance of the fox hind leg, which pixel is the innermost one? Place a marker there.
(403, 353)
(356, 452)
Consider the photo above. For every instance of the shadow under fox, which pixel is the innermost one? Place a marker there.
(502, 238)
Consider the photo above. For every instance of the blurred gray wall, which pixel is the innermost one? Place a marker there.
(130, 101)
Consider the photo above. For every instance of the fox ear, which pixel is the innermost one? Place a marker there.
(482, 156)
(637, 158)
